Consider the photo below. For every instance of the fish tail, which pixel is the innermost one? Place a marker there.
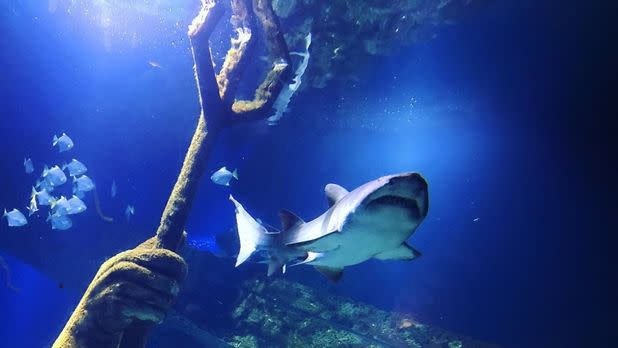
(55, 141)
(5, 213)
(235, 173)
(251, 233)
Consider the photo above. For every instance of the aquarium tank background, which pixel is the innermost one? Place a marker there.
(503, 107)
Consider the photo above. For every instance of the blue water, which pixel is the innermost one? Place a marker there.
(490, 112)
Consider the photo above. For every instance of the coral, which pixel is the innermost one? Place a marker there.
(281, 313)
(455, 344)
(349, 34)
(284, 8)
(271, 326)
(335, 338)
(351, 311)
(247, 341)
(306, 304)
(255, 316)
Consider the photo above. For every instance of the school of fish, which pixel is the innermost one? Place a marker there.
(45, 192)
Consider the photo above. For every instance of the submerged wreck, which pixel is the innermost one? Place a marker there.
(281, 313)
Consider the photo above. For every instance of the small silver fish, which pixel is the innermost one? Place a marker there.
(83, 184)
(33, 207)
(44, 185)
(54, 176)
(76, 205)
(59, 221)
(64, 143)
(28, 166)
(223, 176)
(43, 197)
(61, 206)
(114, 189)
(15, 218)
(129, 212)
(75, 167)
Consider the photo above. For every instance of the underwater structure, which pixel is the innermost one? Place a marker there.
(349, 35)
(281, 313)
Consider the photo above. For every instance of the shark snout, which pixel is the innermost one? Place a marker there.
(408, 191)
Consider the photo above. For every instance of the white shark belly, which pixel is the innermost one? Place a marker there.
(362, 238)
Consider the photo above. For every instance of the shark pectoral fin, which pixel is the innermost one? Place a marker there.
(331, 273)
(334, 193)
(311, 256)
(289, 219)
(402, 252)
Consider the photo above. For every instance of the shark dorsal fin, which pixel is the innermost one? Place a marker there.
(334, 193)
(289, 219)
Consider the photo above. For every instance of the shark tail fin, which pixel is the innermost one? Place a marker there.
(250, 233)
(235, 174)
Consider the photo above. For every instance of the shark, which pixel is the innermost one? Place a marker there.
(373, 221)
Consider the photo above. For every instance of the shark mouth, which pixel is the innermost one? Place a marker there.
(408, 204)
(408, 191)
